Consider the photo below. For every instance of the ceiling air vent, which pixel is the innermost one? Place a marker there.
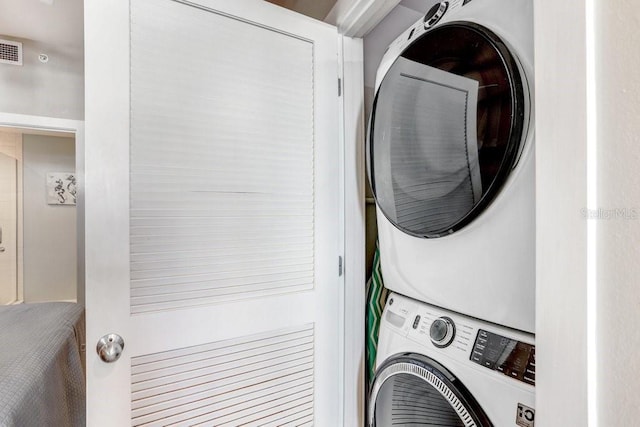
(10, 52)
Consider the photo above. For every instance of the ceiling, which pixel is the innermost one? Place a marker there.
(55, 22)
(421, 6)
(60, 22)
(317, 9)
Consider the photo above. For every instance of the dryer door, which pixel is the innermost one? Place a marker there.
(412, 389)
(447, 125)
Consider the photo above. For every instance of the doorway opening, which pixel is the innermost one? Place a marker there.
(38, 216)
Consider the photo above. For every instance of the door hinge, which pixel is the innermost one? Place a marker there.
(339, 86)
(340, 266)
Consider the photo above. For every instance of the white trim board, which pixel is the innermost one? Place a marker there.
(40, 123)
(15, 145)
(562, 241)
(352, 124)
(20, 224)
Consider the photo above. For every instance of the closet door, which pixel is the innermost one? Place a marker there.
(212, 214)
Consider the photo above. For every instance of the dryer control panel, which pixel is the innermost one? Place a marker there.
(513, 358)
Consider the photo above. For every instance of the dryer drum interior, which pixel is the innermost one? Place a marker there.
(412, 389)
(446, 129)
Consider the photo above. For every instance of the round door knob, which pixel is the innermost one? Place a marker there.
(110, 347)
(442, 332)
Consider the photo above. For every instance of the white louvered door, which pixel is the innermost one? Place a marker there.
(213, 214)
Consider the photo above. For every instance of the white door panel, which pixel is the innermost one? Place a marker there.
(212, 206)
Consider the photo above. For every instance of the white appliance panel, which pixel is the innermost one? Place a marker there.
(487, 268)
(497, 394)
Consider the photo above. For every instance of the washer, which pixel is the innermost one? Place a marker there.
(436, 367)
(451, 161)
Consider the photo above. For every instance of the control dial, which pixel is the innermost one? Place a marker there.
(435, 13)
(442, 332)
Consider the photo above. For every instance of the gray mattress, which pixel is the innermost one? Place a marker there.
(41, 365)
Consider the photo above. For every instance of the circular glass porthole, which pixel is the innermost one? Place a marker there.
(412, 390)
(446, 128)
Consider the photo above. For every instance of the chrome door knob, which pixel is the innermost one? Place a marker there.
(110, 347)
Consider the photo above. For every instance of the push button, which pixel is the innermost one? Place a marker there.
(416, 322)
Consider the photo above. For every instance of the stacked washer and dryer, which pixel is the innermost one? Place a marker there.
(451, 165)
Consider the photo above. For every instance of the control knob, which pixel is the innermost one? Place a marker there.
(435, 13)
(442, 332)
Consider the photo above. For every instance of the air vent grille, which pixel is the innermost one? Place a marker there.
(10, 52)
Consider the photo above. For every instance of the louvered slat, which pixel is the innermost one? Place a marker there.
(222, 164)
(264, 379)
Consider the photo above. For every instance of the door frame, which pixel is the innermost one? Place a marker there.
(19, 283)
(76, 127)
(352, 127)
(565, 244)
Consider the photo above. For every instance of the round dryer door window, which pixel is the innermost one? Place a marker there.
(446, 129)
(414, 390)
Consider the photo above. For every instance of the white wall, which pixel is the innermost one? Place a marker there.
(50, 247)
(561, 194)
(317, 9)
(618, 238)
(588, 152)
(54, 89)
(379, 38)
(377, 41)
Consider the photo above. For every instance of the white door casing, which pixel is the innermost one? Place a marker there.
(213, 202)
(10, 155)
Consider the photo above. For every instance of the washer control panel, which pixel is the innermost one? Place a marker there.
(440, 330)
(436, 332)
(511, 357)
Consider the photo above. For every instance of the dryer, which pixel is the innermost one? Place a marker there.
(436, 367)
(450, 159)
